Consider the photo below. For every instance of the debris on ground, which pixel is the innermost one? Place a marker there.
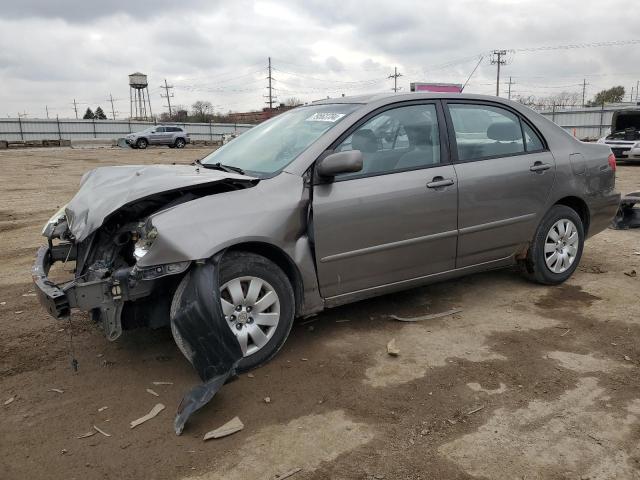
(392, 349)
(102, 432)
(342, 321)
(57, 390)
(154, 411)
(251, 375)
(152, 392)
(431, 316)
(631, 273)
(102, 409)
(232, 426)
(162, 383)
(627, 358)
(475, 410)
(290, 473)
(267, 399)
(90, 433)
(304, 359)
(628, 216)
(9, 400)
(568, 330)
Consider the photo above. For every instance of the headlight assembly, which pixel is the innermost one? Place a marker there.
(144, 243)
(55, 219)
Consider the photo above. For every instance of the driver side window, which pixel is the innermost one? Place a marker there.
(398, 139)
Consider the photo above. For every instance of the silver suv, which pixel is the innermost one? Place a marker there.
(173, 137)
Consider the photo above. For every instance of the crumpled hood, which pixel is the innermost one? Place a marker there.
(107, 189)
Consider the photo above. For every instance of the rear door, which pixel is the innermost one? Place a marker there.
(505, 174)
(396, 219)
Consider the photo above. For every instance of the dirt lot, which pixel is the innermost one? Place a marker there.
(527, 382)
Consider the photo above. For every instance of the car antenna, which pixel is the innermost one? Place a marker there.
(473, 71)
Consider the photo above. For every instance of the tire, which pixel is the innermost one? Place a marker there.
(179, 143)
(243, 266)
(541, 266)
(142, 143)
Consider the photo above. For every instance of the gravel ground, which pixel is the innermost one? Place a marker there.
(526, 382)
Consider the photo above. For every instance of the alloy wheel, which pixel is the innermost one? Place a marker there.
(252, 309)
(561, 246)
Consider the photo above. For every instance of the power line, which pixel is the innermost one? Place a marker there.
(612, 43)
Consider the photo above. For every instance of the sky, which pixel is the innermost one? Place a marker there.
(52, 52)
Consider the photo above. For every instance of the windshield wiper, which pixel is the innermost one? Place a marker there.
(220, 166)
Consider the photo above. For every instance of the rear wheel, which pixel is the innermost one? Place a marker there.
(179, 143)
(142, 143)
(557, 246)
(257, 302)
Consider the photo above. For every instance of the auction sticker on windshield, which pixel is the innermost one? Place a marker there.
(325, 117)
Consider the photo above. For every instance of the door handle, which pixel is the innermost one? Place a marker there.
(540, 167)
(438, 182)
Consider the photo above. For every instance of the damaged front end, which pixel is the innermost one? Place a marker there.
(104, 232)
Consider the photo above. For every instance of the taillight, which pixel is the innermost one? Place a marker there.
(612, 161)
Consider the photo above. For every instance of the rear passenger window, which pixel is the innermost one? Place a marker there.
(485, 131)
(531, 138)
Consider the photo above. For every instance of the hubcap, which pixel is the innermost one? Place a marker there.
(561, 246)
(252, 309)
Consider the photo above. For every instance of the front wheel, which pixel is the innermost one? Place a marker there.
(557, 246)
(257, 302)
(179, 143)
(142, 143)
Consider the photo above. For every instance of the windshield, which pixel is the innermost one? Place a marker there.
(272, 145)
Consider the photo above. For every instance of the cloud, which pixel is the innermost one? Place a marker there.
(53, 52)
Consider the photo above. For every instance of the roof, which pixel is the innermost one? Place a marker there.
(364, 99)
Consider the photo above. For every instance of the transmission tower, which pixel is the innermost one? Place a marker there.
(395, 75)
(271, 98)
(167, 95)
(498, 60)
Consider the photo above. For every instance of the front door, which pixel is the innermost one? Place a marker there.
(396, 219)
(505, 174)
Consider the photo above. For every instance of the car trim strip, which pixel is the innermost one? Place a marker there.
(388, 246)
(496, 224)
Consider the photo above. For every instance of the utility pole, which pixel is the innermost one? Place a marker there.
(75, 107)
(498, 60)
(510, 83)
(584, 90)
(113, 112)
(168, 96)
(637, 86)
(270, 87)
(46, 107)
(395, 77)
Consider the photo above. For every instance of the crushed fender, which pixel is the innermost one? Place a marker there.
(628, 215)
(202, 334)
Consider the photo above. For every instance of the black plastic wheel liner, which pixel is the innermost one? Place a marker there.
(206, 339)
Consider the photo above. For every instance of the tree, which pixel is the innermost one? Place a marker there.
(292, 102)
(611, 95)
(202, 111)
(88, 115)
(99, 115)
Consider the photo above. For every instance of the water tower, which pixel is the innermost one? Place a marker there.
(139, 101)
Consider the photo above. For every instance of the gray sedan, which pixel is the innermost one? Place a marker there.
(329, 203)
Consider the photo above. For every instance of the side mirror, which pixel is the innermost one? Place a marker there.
(340, 162)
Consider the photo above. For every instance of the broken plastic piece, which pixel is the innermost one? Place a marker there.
(152, 392)
(201, 331)
(102, 431)
(154, 411)
(392, 349)
(88, 434)
(628, 215)
(162, 383)
(232, 426)
(427, 317)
